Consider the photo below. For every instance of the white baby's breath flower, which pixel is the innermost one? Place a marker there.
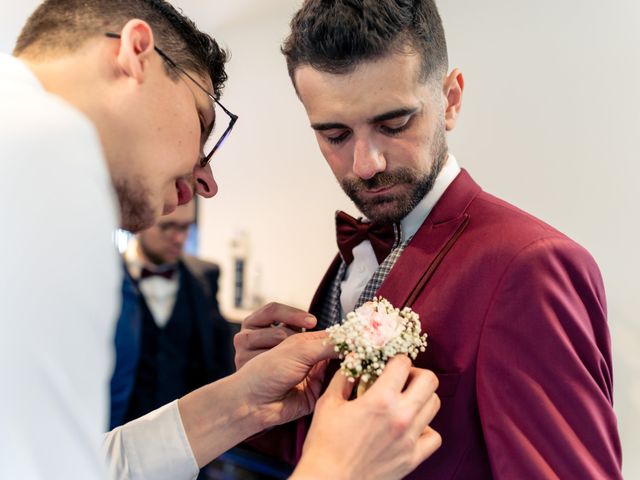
(369, 336)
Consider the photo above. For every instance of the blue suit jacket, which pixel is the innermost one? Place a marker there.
(213, 332)
(127, 346)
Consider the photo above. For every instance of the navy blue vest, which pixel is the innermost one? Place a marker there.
(170, 363)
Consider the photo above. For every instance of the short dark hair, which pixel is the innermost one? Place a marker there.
(336, 35)
(65, 25)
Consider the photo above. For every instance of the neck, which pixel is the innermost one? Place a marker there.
(147, 260)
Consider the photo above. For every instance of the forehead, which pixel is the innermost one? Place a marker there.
(373, 88)
(204, 79)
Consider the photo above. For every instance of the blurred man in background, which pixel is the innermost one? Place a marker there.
(183, 342)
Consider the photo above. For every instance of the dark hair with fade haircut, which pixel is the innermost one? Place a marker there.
(65, 25)
(334, 36)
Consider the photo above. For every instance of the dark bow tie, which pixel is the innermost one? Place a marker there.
(165, 273)
(352, 232)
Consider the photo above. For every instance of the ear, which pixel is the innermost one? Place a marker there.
(136, 49)
(452, 89)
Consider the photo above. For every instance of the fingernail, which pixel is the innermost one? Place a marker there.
(310, 321)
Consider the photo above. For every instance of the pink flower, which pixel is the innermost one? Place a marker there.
(372, 334)
(380, 326)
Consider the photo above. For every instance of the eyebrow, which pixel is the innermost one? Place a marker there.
(208, 127)
(400, 112)
(211, 101)
(173, 224)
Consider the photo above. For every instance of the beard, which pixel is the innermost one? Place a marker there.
(136, 212)
(393, 207)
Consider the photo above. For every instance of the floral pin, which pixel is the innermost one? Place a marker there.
(371, 335)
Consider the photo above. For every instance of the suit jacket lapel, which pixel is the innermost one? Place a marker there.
(431, 243)
(323, 289)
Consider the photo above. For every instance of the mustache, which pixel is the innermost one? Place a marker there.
(379, 180)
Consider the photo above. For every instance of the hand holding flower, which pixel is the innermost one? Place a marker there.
(371, 335)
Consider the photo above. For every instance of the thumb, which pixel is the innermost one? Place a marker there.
(340, 387)
(311, 347)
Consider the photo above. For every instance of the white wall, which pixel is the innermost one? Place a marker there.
(12, 16)
(273, 180)
(550, 121)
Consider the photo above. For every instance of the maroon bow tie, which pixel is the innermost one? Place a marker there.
(166, 273)
(352, 232)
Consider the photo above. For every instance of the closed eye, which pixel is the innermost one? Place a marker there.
(396, 127)
(338, 137)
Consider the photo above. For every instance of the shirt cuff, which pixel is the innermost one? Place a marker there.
(153, 447)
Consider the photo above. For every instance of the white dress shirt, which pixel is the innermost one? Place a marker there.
(365, 263)
(152, 447)
(60, 282)
(160, 293)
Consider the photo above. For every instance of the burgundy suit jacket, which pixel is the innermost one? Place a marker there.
(515, 314)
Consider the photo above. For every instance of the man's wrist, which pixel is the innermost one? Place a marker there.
(217, 417)
(250, 403)
(245, 409)
(317, 468)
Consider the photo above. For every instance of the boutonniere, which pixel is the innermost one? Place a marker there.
(369, 336)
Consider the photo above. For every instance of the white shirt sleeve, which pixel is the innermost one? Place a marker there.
(153, 447)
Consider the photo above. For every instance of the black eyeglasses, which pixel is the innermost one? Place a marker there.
(211, 144)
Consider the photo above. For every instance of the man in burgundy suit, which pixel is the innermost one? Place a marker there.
(515, 311)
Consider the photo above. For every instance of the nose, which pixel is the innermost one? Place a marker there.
(205, 184)
(180, 237)
(368, 160)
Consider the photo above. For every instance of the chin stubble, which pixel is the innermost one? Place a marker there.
(394, 207)
(135, 209)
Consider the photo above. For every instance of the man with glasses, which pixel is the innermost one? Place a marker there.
(176, 340)
(102, 130)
